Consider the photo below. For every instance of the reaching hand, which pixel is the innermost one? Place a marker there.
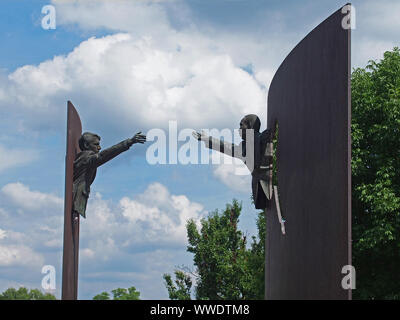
(138, 138)
(201, 136)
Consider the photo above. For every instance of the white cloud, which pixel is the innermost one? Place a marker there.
(138, 238)
(2, 234)
(26, 199)
(231, 172)
(119, 15)
(155, 218)
(194, 85)
(15, 250)
(10, 158)
(27, 242)
(142, 77)
(153, 72)
(19, 255)
(87, 253)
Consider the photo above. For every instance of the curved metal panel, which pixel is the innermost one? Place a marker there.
(309, 98)
(71, 230)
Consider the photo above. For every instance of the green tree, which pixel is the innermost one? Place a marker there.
(181, 290)
(25, 294)
(119, 294)
(102, 296)
(256, 261)
(224, 267)
(376, 178)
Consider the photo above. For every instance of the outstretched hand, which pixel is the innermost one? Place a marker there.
(201, 136)
(138, 138)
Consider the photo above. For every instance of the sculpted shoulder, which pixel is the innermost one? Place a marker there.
(84, 156)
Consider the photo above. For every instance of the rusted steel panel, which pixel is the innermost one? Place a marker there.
(309, 98)
(71, 228)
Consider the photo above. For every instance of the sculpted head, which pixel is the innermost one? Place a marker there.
(90, 141)
(250, 121)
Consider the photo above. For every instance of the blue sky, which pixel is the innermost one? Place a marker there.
(133, 66)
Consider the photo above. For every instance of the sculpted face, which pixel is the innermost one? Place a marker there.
(242, 129)
(93, 144)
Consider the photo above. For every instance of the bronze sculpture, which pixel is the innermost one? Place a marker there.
(255, 151)
(88, 160)
(82, 159)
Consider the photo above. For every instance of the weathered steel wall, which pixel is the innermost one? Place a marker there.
(309, 98)
(71, 230)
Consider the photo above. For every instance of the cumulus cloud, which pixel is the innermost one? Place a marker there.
(150, 73)
(118, 15)
(154, 218)
(140, 77)
(2, 234)
(21, 196)
(10, 158)
(19, 255)
(16, 252)
(139, 237)
(32, 225)
(20, 263)
(130, 82)
(231, 172)
(161, 216)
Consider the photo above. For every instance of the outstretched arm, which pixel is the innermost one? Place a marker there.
(110, 153)
(229, 149)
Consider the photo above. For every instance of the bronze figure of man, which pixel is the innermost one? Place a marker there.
(255, 151)
(88, 160)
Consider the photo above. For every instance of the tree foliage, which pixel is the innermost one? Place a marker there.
(376, 177)
(224, 267)
(181, 290)
(25, 294)
(119, 294)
